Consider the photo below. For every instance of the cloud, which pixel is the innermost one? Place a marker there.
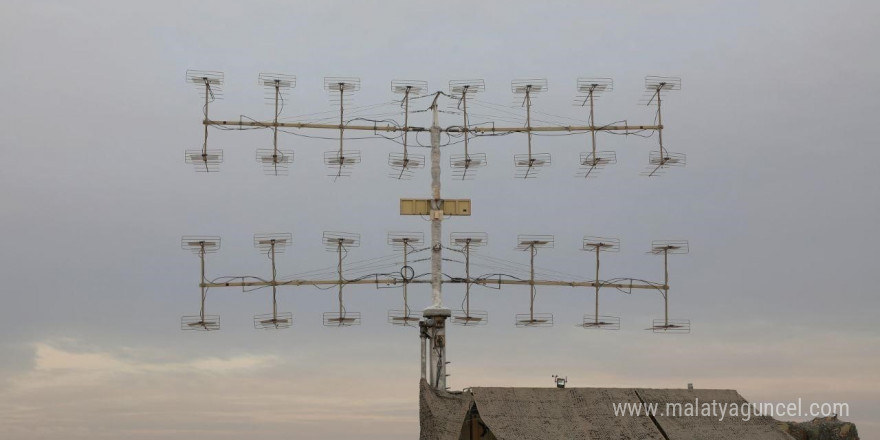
(76, 392)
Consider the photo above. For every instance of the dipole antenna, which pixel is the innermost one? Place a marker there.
(528, 164)
(532, 243)
(340, 160)
(272, 244)
(275, 161)
(404, 163)
(341, 242)
(201, 245)
(210, 86)
(405, 242)
(463, 163)
(597, 245)
(467, 241)
(666, 248)
(656, 87)
(590, 89)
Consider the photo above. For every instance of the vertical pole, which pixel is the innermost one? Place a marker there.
(275, 125)
(467, 278)
(467, 158)
(436, 314)
(274, 286)
(593, 126)
(597, 285)
(405, 283)
(432, 358)
(660, 125)
(665, 287)
(533, 252)
(202, 281)
(529, 120)
(423, 340)
(405, 132)
(341, 120)
(205, 143)
(339, 271)
(436, 211)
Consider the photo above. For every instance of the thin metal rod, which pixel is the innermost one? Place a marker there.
(205, 143)
(423, 340)
(467, 278)
(660, 124)
(666, 286)
(529, 120)
(467, 159)
(202, 283)
(455, 129)
(597, 286)
(479, 282)
(339, 271)
(533, 252)
(592, 122)
(405, 131)
(341, 119)
(274, 287)
(405, 281)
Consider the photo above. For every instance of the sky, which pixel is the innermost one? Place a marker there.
(778, 201)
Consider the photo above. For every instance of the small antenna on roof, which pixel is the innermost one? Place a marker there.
(468, 241)
(589, 90)
(528, 164)
(201, 245)
(340, 242)
(597, 245)
(532, 243)
(276, 161)
(341, 160)
(666, 248)
(655, 88)
(210, 86)
(405, 242)
(273, 244)
(462, 164)
(405, 163)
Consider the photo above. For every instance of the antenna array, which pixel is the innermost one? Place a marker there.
(271, 245)
(589, 90)
(275, 161)
(532, 243)
(528, 164)
(201, 246)
(406, 243)
(404, 163)
(210, 87)
(598, 245)
(656, 87)
(666, 248)
(466, 242)
(464, 165)
(340, 160)
(341, 242)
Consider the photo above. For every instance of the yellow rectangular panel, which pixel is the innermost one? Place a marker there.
(457, 207)
(414, 207)
(423, 207)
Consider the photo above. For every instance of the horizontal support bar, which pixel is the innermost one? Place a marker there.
(307, 125)
(393, 281)
(391, 128)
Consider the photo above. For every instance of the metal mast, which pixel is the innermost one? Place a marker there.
(436, 314)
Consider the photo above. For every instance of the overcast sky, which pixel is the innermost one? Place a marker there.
(778, 200)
